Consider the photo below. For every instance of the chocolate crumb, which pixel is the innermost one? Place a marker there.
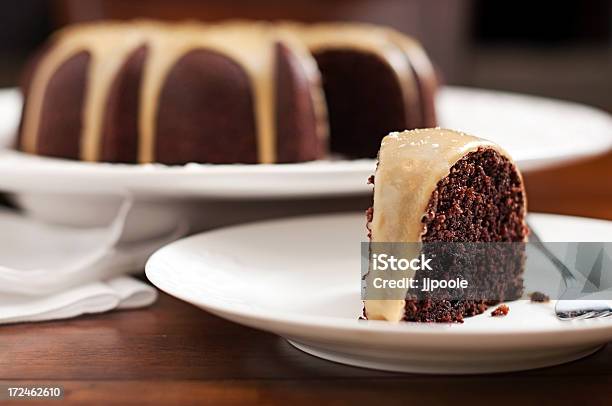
(501, 310)
(539, 297)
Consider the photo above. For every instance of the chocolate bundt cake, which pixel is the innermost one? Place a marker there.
(235, 92)
(437, 185)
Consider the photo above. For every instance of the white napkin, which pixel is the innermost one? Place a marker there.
(54, 272)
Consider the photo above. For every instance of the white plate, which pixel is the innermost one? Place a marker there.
(300, 279)
(537, 132)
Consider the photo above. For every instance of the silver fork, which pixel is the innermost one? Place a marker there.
(568, 306)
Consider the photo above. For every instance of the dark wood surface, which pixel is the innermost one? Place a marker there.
(173, 353)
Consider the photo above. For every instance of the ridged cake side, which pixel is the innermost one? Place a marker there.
(233, 92)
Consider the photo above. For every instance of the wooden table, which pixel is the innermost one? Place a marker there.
(175, 353)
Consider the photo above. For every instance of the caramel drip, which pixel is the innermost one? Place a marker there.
(289, 35)
(109, 51)
(411, 164)
(109, 44)
(250, 45)
(369, 39)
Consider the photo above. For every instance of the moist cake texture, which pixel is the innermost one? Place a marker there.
(437, 185)
(233, 92)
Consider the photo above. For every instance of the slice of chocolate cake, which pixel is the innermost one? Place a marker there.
(443, 186)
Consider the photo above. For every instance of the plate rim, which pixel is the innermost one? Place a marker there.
(569, 329)
(140, 178)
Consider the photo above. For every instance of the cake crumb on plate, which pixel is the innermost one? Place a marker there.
(539, 297)
(501, 310)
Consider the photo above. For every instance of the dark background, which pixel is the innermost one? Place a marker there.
(555, 49)
(560, 49)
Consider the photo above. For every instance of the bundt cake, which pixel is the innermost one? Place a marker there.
(437, 186)
(234, 92)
